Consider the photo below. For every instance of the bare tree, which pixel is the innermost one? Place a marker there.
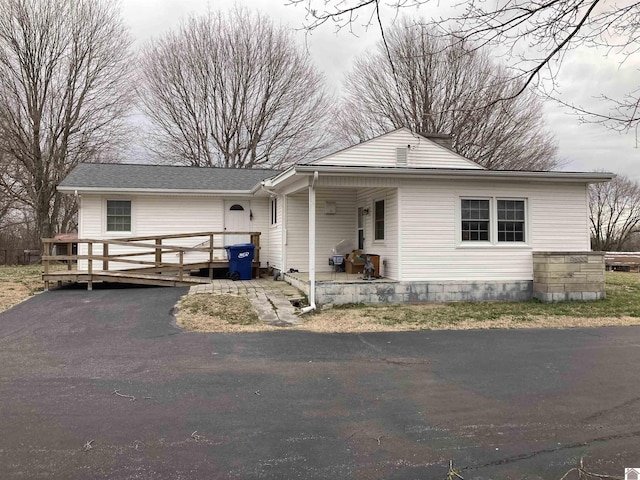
(232, 90)
(536, 35)
(614, 213)
(63, 96)
(436, 85)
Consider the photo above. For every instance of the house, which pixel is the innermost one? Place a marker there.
(444, 227)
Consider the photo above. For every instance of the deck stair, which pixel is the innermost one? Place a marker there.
(142, 260)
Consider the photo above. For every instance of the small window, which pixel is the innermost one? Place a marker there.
(274, 211)
(511, 220)
(118, 215)
(237, 207)
(379, 220)
(475, 220)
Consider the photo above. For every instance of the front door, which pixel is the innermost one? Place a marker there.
(237, 218)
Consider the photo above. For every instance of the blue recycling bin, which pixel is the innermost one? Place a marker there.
(240, 260)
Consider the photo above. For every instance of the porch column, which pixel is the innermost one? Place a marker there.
(312, 241)
(285, 233)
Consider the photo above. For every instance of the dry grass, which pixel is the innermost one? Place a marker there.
(622, 307)
(218, 313)
(375, 319)
(17, 283)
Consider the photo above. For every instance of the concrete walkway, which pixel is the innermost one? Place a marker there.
(271, 299)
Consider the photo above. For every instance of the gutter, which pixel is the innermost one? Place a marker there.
(581, 177)
(150, 191)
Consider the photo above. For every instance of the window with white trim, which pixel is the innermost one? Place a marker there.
(118, 215)
(511, 220)
(475, 220)
(378, 220)
(274, 210)
(493, 220)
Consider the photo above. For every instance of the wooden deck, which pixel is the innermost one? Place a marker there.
(142, 260)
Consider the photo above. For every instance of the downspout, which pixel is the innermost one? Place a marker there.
(312, 245)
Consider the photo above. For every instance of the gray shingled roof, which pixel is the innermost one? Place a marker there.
(163, 177)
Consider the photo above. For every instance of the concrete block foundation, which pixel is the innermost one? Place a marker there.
(388, 292)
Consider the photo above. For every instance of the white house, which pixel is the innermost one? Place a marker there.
(444, 227)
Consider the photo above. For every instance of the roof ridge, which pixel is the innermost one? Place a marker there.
(181, 166)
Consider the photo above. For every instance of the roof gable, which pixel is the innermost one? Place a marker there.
(117, 176)
(382, 152)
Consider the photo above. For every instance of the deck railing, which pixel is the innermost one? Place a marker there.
(153, 246)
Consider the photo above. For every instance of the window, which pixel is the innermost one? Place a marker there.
(492, 220)
(360, 228)
(118, 215)
(475, 220)
(274, 211)
(378, 220)
(511, 220)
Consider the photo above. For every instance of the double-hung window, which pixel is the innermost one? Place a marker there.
(510, 220)
(493, 220)
(118, 215)
(475, 220)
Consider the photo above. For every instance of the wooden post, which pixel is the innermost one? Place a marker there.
(211, 256)
(158, 252)
(256, 242)
(69, 253)
(45, 263)
(255, 239)
(90, 265)
(180, 272)
(105, 253)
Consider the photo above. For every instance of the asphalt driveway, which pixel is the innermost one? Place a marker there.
(285, 405)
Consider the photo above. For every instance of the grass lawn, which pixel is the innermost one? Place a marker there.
(18, 283)
(622, 307)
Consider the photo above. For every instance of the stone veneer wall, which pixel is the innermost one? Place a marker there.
(561, 276)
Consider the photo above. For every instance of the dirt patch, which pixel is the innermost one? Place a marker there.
(367, 320)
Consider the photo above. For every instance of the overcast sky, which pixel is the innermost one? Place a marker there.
(584, 75)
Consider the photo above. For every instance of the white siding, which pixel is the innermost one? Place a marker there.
(333, 228)
(381, 152)
(387, 248)
(557, 221)
(160, 215)
(297, 233)
(260, 223)
(275, 236)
